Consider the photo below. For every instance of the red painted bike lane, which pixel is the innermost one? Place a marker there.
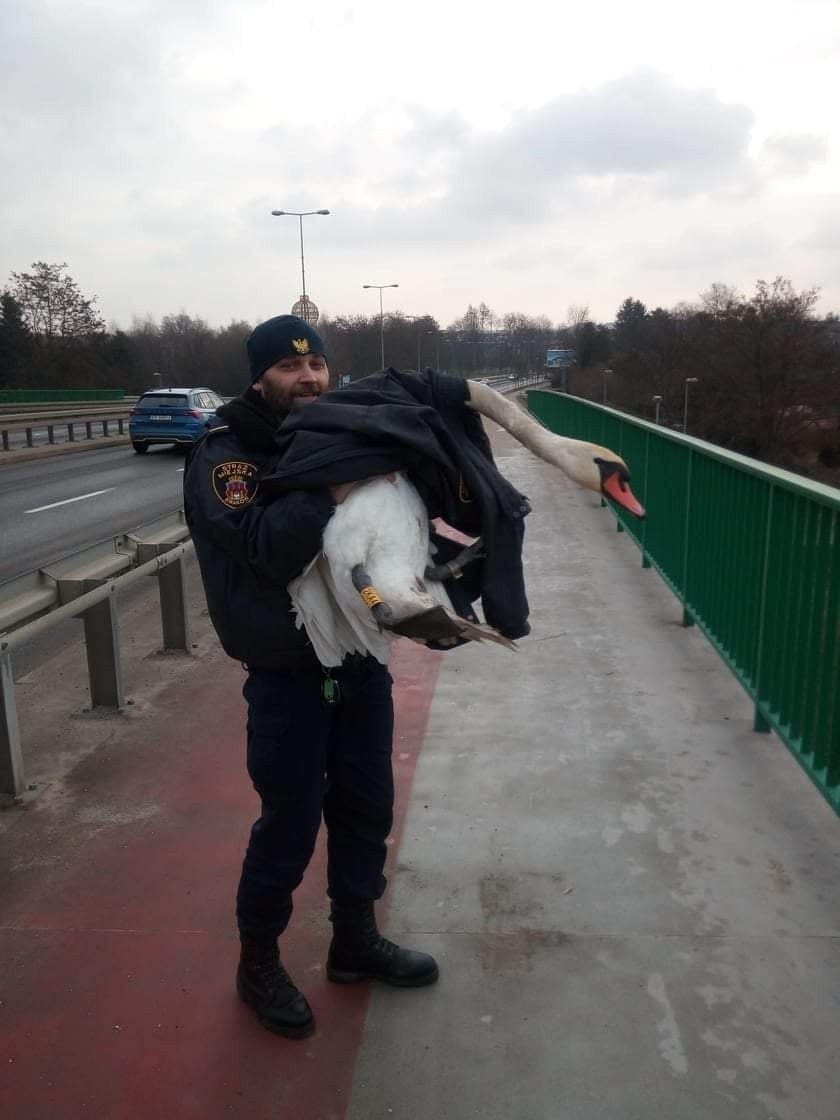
(117, 941)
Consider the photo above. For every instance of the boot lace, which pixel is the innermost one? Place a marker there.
(385, 947)
(270, 972)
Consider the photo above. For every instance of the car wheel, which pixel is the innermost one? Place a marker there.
(140, 448)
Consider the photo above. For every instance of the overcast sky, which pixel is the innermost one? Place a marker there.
(530, 155)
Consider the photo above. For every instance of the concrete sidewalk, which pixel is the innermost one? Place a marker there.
(633, 897)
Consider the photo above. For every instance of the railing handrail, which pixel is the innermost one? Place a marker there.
(795, 482)
(18, 637)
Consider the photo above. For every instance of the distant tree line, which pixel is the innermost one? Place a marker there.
(767, 367)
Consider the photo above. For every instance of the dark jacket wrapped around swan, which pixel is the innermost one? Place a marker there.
(418, 423)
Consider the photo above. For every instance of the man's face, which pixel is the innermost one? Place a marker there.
(301, 378)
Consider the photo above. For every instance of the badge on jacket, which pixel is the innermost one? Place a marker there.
(235, 483)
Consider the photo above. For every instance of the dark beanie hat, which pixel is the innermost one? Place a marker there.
(284, 336)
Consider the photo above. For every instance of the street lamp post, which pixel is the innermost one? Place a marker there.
(604, 379)
(300, 215)
(418, 319)
(688, 381)
(657, 401)
(381, 318)
(437, 349)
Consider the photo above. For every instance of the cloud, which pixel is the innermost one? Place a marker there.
(147, 142)
(411, 174)
(825, 236)
(643, 124)
(793, 153)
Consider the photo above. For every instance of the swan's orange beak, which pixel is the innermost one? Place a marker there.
(617, 486)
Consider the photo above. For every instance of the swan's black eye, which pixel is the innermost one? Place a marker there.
(608, 468)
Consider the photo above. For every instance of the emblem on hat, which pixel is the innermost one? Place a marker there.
(235, 483)
(301, 345)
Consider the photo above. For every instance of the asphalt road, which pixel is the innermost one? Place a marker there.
(61, 504)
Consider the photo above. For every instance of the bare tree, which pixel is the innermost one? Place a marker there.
(52, 305)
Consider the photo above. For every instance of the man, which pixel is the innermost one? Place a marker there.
(319, 742)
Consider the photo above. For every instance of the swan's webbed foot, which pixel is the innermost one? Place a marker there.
(457, 564)
(433, 625)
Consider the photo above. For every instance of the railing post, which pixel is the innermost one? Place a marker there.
(5, 439)
(102, 644)
(29, 442)
(688, 618)
(173, 607)
(89, 427)
(759, 722)
(12, 781)
(50, 433)
(71, 435)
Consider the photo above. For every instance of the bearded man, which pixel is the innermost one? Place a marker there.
(318, 741)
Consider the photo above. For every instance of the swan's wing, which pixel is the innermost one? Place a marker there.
(319, 614)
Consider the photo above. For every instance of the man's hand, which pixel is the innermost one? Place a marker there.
(341, 491)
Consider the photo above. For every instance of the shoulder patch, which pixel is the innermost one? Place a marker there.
(235, 483)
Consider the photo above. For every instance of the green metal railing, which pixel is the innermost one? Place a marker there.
(753, 553)
(56, 396)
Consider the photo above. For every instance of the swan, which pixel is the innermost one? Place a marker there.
(375, 577)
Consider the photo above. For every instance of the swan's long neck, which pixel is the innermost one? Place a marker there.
(561, 451)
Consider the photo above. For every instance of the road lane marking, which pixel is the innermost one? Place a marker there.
(67, 501)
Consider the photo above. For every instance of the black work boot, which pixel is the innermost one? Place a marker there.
(264, 985)
(359, 952)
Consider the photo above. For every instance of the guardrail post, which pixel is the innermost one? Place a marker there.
(104, 427)
(29, 442)
(50, 433)
(11, 760)
(760, 724)
(5, 439)
(89, 426)
(102, 644)
(688, 617)
(173, 607)
(71, 435)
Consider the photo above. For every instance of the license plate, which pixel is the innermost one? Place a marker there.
(160, 417)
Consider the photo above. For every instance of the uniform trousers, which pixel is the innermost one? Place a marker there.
(307, 759)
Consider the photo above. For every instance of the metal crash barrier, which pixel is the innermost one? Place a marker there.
(86, 585)
(42, 427)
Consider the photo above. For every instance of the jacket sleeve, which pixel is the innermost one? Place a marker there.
(275, 539)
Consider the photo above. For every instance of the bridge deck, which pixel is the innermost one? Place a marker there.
(633, 897)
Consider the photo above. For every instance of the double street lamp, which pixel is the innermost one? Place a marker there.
(300, 215)
(688, 381)
(381, 318)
